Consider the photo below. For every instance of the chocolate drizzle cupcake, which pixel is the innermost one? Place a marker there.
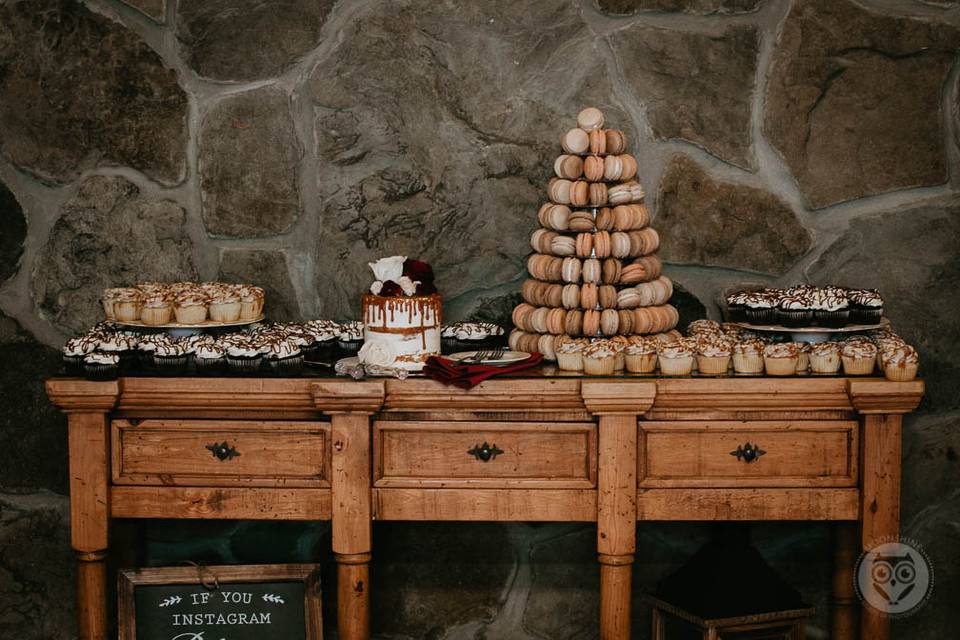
(75, 350)
(101, 366)
(350, 338)
(794, 310)
(831, 307)
(282, 355)
(866, 306)
(243, 355)
(760, 307)
(170, 357)
(210, 358)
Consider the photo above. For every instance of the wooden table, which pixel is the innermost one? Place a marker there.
(534, 447)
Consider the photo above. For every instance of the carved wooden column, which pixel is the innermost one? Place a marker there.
(618, 405)
(350, 405)
(844, 610)
(882, 403)
(87, 405)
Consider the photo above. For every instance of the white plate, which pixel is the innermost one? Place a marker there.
(507, 357)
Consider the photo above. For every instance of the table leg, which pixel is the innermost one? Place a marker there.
(844, 601)
(616, 521)
(89, 519)
(880, 505)
(352, 522)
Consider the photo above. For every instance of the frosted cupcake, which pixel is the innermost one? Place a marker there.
(108, 300)
(704, 327)
(760, 306)
(599, 358)
(101, 366)
(282, 355)
(148, 345)
(619, 345)
(825, 357)
(641, 357)
(831, 308)
(748, 356)
(350, 338)
(225, 305)
(251, 302)
(210, 358)
(901, 364)
(127, 304)
(170, 357)
(243, 355)
(885, 345)
(780, 359)
(191, 307)
(866, 305)
(157, 309)
(121, 344)
(859, 358)
(676, 359)
(713, 356)
(803, 356)
(75, 350)
(570, 355)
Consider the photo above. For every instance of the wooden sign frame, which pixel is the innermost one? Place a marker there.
(309, 574)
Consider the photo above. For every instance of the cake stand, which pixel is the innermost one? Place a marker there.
(813, 334)
(178, 330)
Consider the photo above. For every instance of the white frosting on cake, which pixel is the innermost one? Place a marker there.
(400, 332)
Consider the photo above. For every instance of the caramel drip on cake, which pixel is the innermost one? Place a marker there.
(379, 312)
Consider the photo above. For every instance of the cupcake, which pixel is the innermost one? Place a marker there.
(619, 345)
(75, 350)
(210, 358)
(108, 300)
(190, 307)
(123, 345)
(641, 356)
(350, 338)
(147, 346)
(251, 302)
(885, 345)
(866, 306)
(282, 355)
(794, 310)
(325, 333)
(170, 357)
(599, 358)
(803, 356)
(825, 357)
(570, 355)
(101, 366)
(748, 356)
(737, 306)
(831, 308)
(243, 355)
(780, 359)
(157, 309)
(304, 340)
(859, 357)
(676, 359)
(127, 304)
(225, 305)
(760, 306)
(704, 327)
(901, 364)
(471, 336)
(713, 356)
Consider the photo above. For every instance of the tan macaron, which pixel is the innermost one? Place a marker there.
(571, 296)
(593, 168)
(609, 322)
(571, 269)
(601, 244)
(568, 167)
(598, 142)
(545, 345)
(628, 166)
(540, 240)
(619, 244)
(591, 322)
(559, 190)
(612, 168)
(588, 296)
(538, 319)
(626, 321)
(604, 220)
(557, 217)
(590, 118)
(554, 269)
(574, 323)
(575, 141)
(642, 320)
(580, 193)
(553, 295)
(628, 298)
(591, 271)
(580, 221)
(616, 141)
(563, 246)
(583, 245)
(611, 271)
(598, 194)
(607, 296)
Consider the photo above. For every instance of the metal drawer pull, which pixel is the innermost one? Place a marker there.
(223, 451)
(485, 452)
(748, 452)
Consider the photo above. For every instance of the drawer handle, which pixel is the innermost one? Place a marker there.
(222, 451)
(485, 452)
(748, 452)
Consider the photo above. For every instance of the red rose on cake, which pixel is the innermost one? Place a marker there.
(401, 315)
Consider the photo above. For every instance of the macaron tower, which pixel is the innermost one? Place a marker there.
(594, 271)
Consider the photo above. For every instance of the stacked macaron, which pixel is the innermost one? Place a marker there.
(594, 271)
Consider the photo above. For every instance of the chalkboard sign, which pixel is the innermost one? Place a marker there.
(248, 602)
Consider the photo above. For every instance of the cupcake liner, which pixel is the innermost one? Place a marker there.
(349, 348)
(780, 366)
(748, 363)
(190, 315)
(831, 319)
(598, 366)
(737, 313)
(825, 363)
(899, 373)
(713, 365)
(100, 372)
(247, 364)
(760, 316)
(170, 364)
(803, 362)
(285, 366)
(226, 312)
(210, 365)
(794, 317)
(73, 365)
(676, 366)
(156, 315)
(570, 361)
(858, 366)
(145, 359)
(641, 363)
(866, 316)
(127, 311)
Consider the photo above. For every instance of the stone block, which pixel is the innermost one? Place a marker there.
(13, 231)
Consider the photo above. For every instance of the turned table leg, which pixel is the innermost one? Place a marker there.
(352, 522)
(844, 607)
(89, 519)
(880, 508)
(616, 521)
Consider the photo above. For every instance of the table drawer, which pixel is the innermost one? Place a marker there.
(221, 453)
(715, 454)
(527, 455)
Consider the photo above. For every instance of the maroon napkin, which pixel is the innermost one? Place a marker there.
(466, 376)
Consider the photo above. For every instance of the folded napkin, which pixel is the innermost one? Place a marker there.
(466, 376)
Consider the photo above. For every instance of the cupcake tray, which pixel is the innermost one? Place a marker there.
(176, 328)
(813, 334)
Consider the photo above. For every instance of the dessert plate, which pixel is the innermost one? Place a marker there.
(508, 357)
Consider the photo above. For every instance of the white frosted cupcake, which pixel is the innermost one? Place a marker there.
(803, 356)
(157, 309)
(748, 356)
(108, 300)
(901, 364)
(191, 307)
(599, 358)
(570, 355)
(676, 359)
(641, 356)
(713, 356)
(101, 366)
(225, 305)
(243, 355)
(780, 359)
(127, 304)
(825, 357)
(251, 302)
(210, 357)
(859, 358)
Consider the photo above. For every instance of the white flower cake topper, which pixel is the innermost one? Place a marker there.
(380, 354)
(409, 286)
(388, 268)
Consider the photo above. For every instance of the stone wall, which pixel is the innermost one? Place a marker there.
(289, 142)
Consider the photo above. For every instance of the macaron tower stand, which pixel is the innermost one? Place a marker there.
(594, 271)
